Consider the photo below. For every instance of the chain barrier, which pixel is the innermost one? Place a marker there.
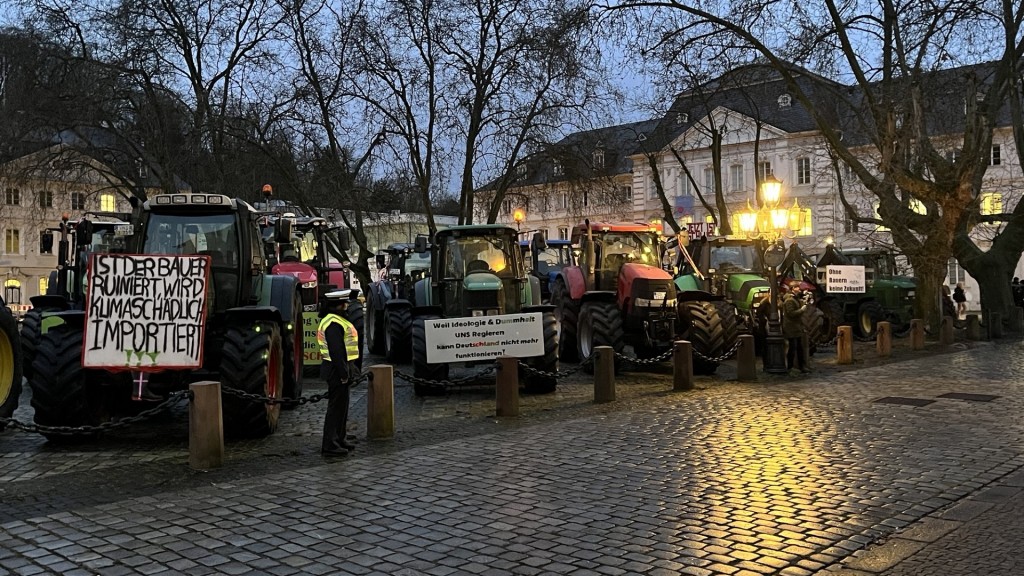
(363, 377)
(452, 382)
(645, 361)
(721, 358)
(118, 424)
(559, 373)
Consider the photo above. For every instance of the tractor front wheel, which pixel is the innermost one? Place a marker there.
(375, 327)
(539, 383)
(567, 313)
(600, 324)
(399, 333)
(61, 394)
(251, 363)
(869, 314)
(30, 333)
(420, 368)
(10, 364)
(707, 334)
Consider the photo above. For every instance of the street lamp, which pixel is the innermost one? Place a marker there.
(518, 215)
(772, 223)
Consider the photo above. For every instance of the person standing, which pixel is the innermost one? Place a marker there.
(960, 297)
(793, 308)
(339, 346)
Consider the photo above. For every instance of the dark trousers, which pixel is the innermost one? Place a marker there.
(336, 420)
(796, 352)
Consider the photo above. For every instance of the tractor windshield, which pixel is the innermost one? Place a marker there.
(733, 259)
(554, 258)
(415, 262)
(214, 235)
(468, 254)
(618, 248)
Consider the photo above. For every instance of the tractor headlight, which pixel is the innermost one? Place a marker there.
(312, 284)
(654, 303)
(910, 293)
(478, 312)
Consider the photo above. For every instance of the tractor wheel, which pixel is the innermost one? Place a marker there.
(398, 346)
(869, 314)
(815, 324)
(61, 394)
(536, 383)
(355, 315)
(730, 322)
(706, 333)
(567, 312)
(30, 332)
(251, 363)
(375, 327)
(600, 324)
(293, 355)
(420, 368)
(832, 312)
(10, 364)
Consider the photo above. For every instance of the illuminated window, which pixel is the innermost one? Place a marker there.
(808, 229)
(879, 228)
(12, 291)
(991, 203)
(917, 206)
(44, 285)
(107, 203)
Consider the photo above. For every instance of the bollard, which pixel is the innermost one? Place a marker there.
(507, 384)
(746, 363)
(205, 427)
(917, 334)
(1016, 319)
(883, 340)
(844, 345)
(682, 366)
(380, 403)
(995, 325)
(604, 374)
(973, 327)
(946, 331)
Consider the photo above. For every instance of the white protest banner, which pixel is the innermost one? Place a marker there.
(845, 279)
(145, 312)
(483, 337)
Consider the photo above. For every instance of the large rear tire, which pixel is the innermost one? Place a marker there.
(61, 394)
(832, 312)
(600, 324)
(869, 314)
(399, 334)
(293, 355)
(730, 322)
(708, 335)
(815, 324)
(537, 383)
(30, 327)
(252, 363)
(11, 364)
(420, 368)
(375, 329)
(567, 312)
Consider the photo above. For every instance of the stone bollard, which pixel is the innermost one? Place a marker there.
(973, 327)
(746, 362)
(844, 345)
(380, 403)
(682, 366)
(507, 387)
(883, 340)
(917, 334)
(1016, 321)
(604, 374)
(994, 322)
(946, 331)
(205, 427)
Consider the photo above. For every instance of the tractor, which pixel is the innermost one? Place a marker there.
(249, 314)
(94, 233)
(390, 300)
(618, 294)
(10, 363)
(546, 263)
(477, 271)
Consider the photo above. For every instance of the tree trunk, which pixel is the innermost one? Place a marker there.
(994, 283)
(927, 298)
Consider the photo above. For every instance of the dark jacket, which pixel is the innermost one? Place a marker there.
(958, 295)
(792, 316)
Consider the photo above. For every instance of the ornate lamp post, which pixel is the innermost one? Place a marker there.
(771, 224)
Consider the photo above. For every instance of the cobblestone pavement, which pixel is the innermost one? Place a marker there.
(786, 476)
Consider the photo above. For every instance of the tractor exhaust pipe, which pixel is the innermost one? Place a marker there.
(590, 255)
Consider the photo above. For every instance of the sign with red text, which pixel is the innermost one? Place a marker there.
(484, 337)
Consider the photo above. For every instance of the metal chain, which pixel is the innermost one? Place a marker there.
(300, 400)
(719, 359)
(557, 374)
(453, 382)
(174, 398)
(645, 361)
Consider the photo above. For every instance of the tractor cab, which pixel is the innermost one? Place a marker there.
(623, 258)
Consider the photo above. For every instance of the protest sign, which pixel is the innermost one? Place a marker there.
(145, 312)
(483, 337)
(845, 279)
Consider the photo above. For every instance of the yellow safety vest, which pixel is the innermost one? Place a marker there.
(351, 337)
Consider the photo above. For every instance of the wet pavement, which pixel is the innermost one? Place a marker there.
(785, 476)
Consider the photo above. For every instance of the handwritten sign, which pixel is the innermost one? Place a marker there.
(145, 312)
(698, 230)
(845, 279)
(310, 346)
(484, 337)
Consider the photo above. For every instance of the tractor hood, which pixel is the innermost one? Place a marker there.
(630, 272)
(304, 273)
(481, 281)
(746, 282)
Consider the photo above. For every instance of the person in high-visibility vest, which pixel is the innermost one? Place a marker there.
(339, 345)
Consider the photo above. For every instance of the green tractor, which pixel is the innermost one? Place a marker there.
(10, 363)
(249, 313)
(476, 272)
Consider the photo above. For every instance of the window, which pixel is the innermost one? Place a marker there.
(682, 118)
(849, 225)
(586, 197)
(736, 177)
(991, 203)
(627, 192)
(78, 201)
(44, 285)
(685, 188)
(599, 158)
(764, 169)
(564, 204)
(507, 206)
(709, 179)
(954, 272)
(563, 233)
(45, 198)
(521, 170)
(879, 227)
(12, 241)
(785, 101)
(42, 249)
(557, 168)
(997, 156)
(803, 170)
(808, 229)
(12, 291)
(12, 197)
(107, 203)
(918, 207)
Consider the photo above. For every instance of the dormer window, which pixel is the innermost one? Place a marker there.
(785, 101)
(598, 158)
(682, 118)
(521, 170)
(557, 168)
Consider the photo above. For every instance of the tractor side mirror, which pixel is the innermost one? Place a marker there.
(283, 230)
(420, 245)
(343, 240)
(539, 242)
(381, 261)
(46, 242)
(83, 233)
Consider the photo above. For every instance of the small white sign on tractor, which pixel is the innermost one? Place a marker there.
(145, 312)
(482, 337)
(848, 279)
